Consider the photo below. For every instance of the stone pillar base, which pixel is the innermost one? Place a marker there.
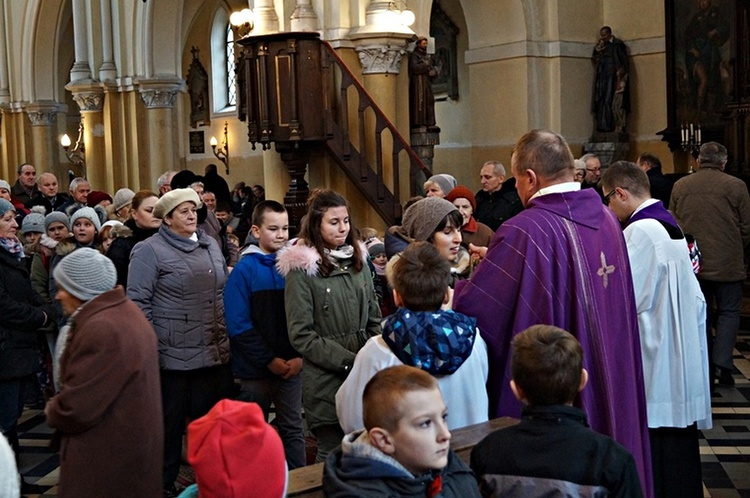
(423, 140)
(609, 147)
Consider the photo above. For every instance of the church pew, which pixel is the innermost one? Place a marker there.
(307, 481)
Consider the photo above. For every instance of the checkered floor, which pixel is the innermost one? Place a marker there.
(725, 449)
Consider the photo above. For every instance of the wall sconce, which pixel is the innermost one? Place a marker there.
(400, 14)
(223, 153)
(243, 22)
(76, 154)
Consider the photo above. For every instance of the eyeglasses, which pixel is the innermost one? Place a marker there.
(594, 170)
(612, 192)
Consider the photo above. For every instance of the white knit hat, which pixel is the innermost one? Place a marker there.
(10, 484)
(174, 198)
(85, 273)
(88, 213)
(122, 198)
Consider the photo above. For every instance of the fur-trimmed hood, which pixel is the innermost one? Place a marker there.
(121, 232)
(65, 246)
(303, 257)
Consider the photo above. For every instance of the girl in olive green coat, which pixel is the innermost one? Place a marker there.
(331, 308)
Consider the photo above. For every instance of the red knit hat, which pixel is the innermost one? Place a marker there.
(235, 453)
(95, 197)
(461, 191)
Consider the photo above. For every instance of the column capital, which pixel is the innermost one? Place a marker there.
(381, 43)
(43, 113)
(380, 58)
(88, 95)
(160, 93)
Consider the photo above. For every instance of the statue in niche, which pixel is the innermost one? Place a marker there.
(421, 99)
(611, 99)
(197, 81)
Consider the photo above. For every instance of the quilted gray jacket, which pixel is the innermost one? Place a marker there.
(179, 285)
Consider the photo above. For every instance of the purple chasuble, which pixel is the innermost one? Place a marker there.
(563, 261)
(654, 211)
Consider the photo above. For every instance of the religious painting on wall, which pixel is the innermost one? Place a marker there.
(442, 29)
(700, 58)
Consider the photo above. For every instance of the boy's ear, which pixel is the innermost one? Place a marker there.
(517, 391)
(382, 440)
(397, 299)
(256, 231)
(584, 379)
(447, 297)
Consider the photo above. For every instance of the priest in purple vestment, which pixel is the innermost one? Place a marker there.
(563, 261)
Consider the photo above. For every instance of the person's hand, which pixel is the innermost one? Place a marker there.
(295, 366)
(278, 367)
(477, 251)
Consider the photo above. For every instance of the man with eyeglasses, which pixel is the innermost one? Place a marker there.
(715, 208)
(593, 173)
(562, 261)
(671, 322)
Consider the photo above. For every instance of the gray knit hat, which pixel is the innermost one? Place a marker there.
(5, 206)
(5, 185)
(122, 198)
(33, 223)
(89, 214)
(423, 217)
(56, 216)
(85, 273)
(445, 181)
(174, 198)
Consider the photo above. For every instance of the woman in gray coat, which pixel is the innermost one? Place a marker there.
(177, 279)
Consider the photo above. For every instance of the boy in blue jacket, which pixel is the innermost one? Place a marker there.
(262, 357)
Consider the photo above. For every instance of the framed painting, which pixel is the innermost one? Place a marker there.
(700, 61)
(442, 29)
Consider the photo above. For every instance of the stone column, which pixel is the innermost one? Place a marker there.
(90, 100)
(43, 117)
(381, 45)
(159, 97)
(266, 20)
(80, 70)
(304, 17)
(108, 70)
(4, 84)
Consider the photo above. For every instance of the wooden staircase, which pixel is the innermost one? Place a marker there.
(297, 92)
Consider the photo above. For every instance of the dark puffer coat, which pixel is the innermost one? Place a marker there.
(23, 311)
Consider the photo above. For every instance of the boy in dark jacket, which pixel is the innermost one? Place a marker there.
(262, 357)
(551, 452)
(405, 447)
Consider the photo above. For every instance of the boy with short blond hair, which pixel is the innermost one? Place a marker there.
(552, 451)
(262, 357)
(404, 449)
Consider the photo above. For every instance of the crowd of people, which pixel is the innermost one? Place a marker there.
(562, 296)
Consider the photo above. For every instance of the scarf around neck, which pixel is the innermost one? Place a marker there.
(340, 253)
(13, 246)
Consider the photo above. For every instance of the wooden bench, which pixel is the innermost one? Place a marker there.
(307, 481)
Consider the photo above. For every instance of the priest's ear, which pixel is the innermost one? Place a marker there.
(518, 392)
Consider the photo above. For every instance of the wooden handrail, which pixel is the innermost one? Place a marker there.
(354, 162)
(363, 95)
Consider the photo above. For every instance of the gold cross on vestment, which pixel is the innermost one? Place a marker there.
(605, 270)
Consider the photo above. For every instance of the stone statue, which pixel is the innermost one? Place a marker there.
(611, 100)
(421, 99)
